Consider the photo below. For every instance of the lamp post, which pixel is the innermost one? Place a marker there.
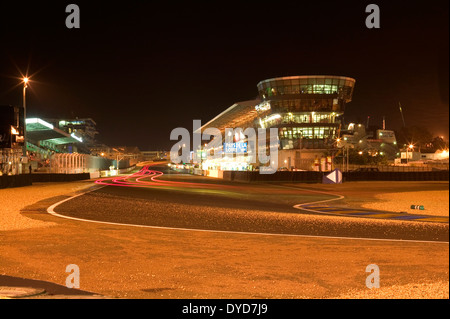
(410, 147)
(118, 159)
(25, 85)
(344, 152)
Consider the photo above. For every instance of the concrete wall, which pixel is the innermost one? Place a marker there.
(7, 181)
(316, 177)
(396, 176)
(49, 177)
(242, 176)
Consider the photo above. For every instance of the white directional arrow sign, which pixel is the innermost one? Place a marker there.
(335, 177)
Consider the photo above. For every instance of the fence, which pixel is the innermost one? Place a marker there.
(81, 163)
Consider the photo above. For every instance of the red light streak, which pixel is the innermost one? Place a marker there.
(137, 180)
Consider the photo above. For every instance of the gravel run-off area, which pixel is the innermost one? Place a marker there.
(12, 200)
(435, 203)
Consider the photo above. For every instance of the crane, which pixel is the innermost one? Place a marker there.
(401, 112)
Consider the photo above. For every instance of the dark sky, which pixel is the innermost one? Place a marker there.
(143, 68)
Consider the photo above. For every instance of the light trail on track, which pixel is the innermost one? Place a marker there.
(229, 208)
(140, 179)
(148, 177)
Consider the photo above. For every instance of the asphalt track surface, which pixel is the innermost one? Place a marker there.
(158, 197)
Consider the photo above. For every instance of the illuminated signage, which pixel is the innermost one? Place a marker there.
(238, 147)
(263, 106)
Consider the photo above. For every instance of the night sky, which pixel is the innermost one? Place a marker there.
(143, 68)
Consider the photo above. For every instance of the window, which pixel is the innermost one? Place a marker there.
(287, 90)
(308, 133)
(334, 89)
(320, 81)
(316, 118)
(308, 89)
(318, 89)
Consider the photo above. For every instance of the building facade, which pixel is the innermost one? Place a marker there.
(371, 140)
(86, 128)
(306, 110)
(12, 129)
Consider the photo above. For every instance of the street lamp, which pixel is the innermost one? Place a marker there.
(411, 147)
(25, 85)
(344, 150)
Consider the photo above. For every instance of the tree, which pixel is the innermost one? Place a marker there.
(437, 143)
(419, 136)
(354, 157)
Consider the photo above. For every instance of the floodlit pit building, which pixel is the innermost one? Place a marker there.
(306, 111)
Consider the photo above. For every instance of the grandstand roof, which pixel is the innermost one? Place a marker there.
(40, 130)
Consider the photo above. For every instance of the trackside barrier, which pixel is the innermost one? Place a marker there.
(60, 177)
(7, 181)
(246, 176)
(316, 177)
(50, 177)
(396, 176)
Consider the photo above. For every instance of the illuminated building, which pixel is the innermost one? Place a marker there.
(306, 110)
(154, 155)
(371, 140)
(82, 127)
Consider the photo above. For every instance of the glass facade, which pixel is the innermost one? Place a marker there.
(338, 85)
(306, 110)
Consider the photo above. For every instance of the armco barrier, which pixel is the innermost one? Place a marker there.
(7, 181)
